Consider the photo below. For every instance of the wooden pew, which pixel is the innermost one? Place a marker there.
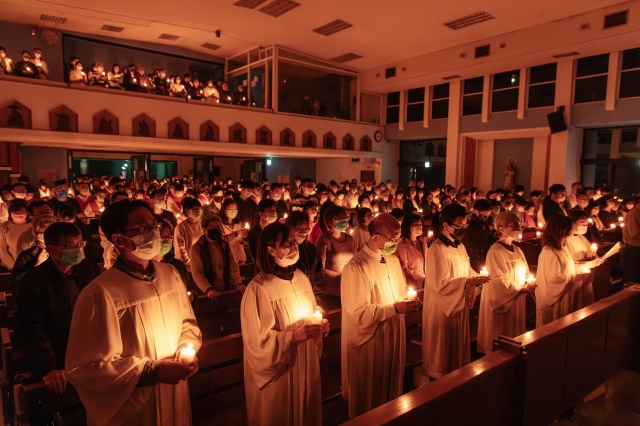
(533, 383)
(67, 406)
(221, 317)
(5, 281)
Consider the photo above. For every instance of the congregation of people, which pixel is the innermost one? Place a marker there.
(119, 331)
(132, 78)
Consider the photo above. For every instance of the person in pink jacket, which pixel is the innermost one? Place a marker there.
(412, 251)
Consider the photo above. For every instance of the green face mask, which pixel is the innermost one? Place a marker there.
(231, 214)
(196, 214)
(165, 247)
(72, 257)
(272, 217)
(342, 225)
(389, 248)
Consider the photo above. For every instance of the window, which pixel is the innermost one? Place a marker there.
(393, 107)
(591, 79)
(472, 96)
(630, 74)
(440, 101)
(505, 91)
(415, 105)
(542, 86)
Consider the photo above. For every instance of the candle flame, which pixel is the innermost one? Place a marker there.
(190, 346)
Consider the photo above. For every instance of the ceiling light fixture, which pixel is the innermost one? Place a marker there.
(333, 27)
(466, 21)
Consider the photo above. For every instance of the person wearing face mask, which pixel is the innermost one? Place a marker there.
(32, 249)
(166, 255)
(306, 193)
(63, 197)
(503, 301)
(374, 302)
(276, 193)
(159, 203)
(351, 199)
(479, 236)
(451, 290)
(213, 199)
(411, 203)
(240, 96)
(6, 192)
(580, 249)
(557, 272)
(556, 202)
(398, 200)
(189, 231)
(246, 207)
(11, 230)
(174, 201)
(87, 203)
(45, 302)
(275, 315)
(256, 194)
(128, 328)
(213, 267)
(360, 233)
(412, 251)
(335, 248)
(233, 230)
(309, 262)
(266, 215)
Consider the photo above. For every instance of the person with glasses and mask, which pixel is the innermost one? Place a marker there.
(307, 193)
(451, 290)
(213, 267)
(374, 302)
(25, 67)
(233, 230)
(189, 231)
(45, 302)
(32, 248)
(335, 248)
(503, 301)
(129, 327)
(158, 201)
(11, 231)
(215, 204)
(309, 261)
(265, 215)
(276, 193)
(63, 196)
(282, 345)
(479, 235)
(412, 251)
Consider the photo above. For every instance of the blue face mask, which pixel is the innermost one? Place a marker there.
(62, 195)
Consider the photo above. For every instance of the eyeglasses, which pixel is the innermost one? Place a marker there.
(145, 229)
(81, 244)
(302, 230)
(394, 241)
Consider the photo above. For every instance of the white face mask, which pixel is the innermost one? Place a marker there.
(147, 245)
(582, 229)
(289, 256)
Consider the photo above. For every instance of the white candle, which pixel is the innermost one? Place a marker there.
(586, 270)
(419, 210)
(429, 234)
(187, 354)
(412, 294)
(594, 249)
(484, 272)
(538, 234)
(620, 219)
(246, 225)
(316, 318)
(540, 225)
(376, 197)
(521, 275)
(286, 215)
(531, 279)
(613, 226)
(101, 209)
(519, 237)
(590, 220)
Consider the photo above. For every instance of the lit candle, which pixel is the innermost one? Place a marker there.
(134, 80)
(168, 80)
(201, 91)
(419, 210)
(316, 318)
(540, 225)
(522, 276)
(538, 234)
(484, 272)
(594, 249)
(188, 294)
(351, 232)
(590, 220)
(246, 225)
(429, 234)
(620, 219)
(411, 294)
(622, 225)
(531, 280)
(612, 226)
(103, 73)
(586, 270)
(188, 97)
(177, 215)
(286, 215)
(376, 197)
(81, 72)
(519, 237)
(187, 354)
(101, 209)
(375, 209)
(28, 69)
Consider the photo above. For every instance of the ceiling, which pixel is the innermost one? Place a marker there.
(382, 31)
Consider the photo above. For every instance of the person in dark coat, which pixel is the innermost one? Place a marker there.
(240, 97)
(479, 236)
(26, 68)
(556, 202)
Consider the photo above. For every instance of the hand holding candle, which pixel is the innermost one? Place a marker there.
(316, 318)
(187, 355)
(411, 294)
(484, 272)
(594, 249)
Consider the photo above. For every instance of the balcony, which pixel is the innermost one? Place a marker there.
(52, 114)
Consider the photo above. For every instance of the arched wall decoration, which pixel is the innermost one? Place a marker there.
(143, 126)
(178, 129)
(263, 136)
(237, 133)
(63, 119)
(106, 123)
(287, 137)
(365, 143)
(209, 131)
(329, 141)
(15, 115)
(348, 142)
(309, 139)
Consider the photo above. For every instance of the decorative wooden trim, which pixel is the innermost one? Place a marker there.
(178, 129)
(365, 143)
(144, 126)
(15, 115)
(287, 137)
(237, 133)
(329, 141)
(106, 123)
(263, 136)
(209, 131)
(348, 142)
(309, 139)
(63, 119)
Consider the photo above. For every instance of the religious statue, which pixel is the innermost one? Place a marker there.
(287, 139)
(237, 135)
(15, 118)
(64, 122)
(143, 128)
(263, 137)
(209, 135)
(309, 141)
(509, 175)
(105, 126)
(348, 144)
(178, 133)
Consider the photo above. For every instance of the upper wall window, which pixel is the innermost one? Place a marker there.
(542, 86)
(415, 104)
(440, 101)
(505, 91)
(630, 74)
(591, 79)
(393, 107)
(472, 96)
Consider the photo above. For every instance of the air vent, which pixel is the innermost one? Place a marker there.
(210, 46)
(390, 72)
(333, 27)
(482, 51)
(54, 19)
(565, 55)
(616, 19)
(451, 77)
(476, 18)
(249, 4)
(279, 7)
(169, 37)
(345, 58)
(112, 28)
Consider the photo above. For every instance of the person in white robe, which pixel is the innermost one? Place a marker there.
(282, 338)
(585, 256)
(128, 329)
(373, 294)
(556, 273)
(503, 301)
(449, 293)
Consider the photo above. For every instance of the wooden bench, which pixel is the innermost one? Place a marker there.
(221, 317)
(66, 407)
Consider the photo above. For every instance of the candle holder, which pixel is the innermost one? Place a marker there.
(484, 272)
(316, 318)
(187, 354)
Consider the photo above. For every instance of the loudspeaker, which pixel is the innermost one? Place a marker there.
(556, 121)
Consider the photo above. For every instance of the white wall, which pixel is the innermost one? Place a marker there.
(539, 161)
(484, 164)
(390, 159)
(340, 169)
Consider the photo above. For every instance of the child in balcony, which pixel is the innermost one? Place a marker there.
(114, 77)
(97, 76)
(76, 75)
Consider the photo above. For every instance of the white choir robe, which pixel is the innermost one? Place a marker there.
(446, 344)
(580, 249)
(281, 378)
(119, 323)
(373, 333)
(555, 277)
(503, 305)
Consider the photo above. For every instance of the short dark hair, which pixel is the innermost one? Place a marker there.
(482, 205)
(296, 218)
(578, 214)
(247, 184)
(61, 182)
(265, 204)
(519, 201)
(408, 222)
(118, 194)
(190, 203)
(448, 215)
(268, 238)
(558, 228)
(18, 204)
(59, 230)
(67, 211)
(556, 187)
(115, 218)
(38, 203)
(397, 213)
(360, 215)
(331, 213)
